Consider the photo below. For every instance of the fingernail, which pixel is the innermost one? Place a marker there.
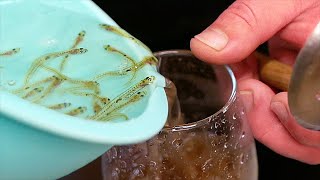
(214, 38)
(280, 110)
(247, 100)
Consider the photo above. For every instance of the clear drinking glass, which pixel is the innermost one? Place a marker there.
(206, 135)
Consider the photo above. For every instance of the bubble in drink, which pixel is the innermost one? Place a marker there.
(241, 158)
(231, 127)
(234, 116)
(216, 125)
(123, 164)
(152, 164)
(207, 165)
(242, 112)
(243, 134)
(177, 143)
(223, 121)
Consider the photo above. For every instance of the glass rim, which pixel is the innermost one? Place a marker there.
(206, 120)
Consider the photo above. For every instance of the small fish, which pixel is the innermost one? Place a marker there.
(97, 105)
(142, 84)
(35, 84)
(11, 52)
(136, 97)
(109, 48)
(104, 100)
(54, 84)
(96, 108)
(131, 69)
(113, 49)
(41, 60)
(111, 113)
(34, 91)
(59, 106)
(77, 111)
(123, 33)
(151, 60)
(77, 51)
(97, 99)
(114, 116)
(77, 41)
(109, 73)
(124, 97)
(83, 84)
(96, 96)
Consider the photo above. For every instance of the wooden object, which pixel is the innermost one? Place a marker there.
(273, 72)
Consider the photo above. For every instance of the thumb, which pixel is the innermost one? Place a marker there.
(241, 28)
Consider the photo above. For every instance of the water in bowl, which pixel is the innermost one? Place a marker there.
(73, 63)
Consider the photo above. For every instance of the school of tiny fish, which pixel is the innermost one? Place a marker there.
(104, 108)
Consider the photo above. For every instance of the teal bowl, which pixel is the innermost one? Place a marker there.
(38, 142)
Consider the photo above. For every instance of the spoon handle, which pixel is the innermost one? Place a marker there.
(273, 72)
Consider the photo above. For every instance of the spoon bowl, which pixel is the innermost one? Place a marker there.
(304, 87)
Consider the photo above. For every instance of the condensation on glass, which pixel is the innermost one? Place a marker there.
(206, 135)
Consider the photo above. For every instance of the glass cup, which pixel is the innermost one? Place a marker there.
(206, 135)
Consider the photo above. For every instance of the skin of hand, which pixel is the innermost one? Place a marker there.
(231, 39)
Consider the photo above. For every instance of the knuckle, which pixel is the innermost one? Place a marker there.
(244, 12)
(299, 6)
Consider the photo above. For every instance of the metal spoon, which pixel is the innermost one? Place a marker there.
(304, 87)
(302, 82)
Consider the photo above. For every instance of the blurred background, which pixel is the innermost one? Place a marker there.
(170, 24)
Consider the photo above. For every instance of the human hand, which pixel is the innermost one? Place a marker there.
(236, 33)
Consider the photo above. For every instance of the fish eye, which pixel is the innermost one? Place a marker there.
(82, 50)
(151, 78)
